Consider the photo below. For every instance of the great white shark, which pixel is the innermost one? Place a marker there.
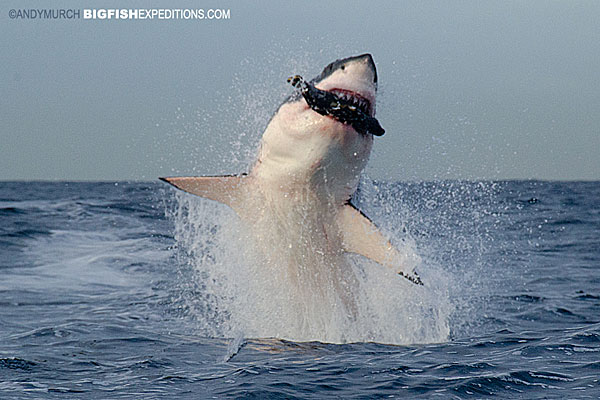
(299, 191)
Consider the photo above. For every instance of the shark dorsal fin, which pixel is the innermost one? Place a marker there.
(361, 236)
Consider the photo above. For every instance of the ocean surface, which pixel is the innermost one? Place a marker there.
(133, 290)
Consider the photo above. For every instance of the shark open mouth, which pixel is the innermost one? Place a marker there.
(353, 99)
(343, 105)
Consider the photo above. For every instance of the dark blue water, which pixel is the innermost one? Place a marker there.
(101, 298)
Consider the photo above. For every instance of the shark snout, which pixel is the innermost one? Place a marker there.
(368, 60)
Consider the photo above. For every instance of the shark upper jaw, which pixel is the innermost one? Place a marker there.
(353, 79)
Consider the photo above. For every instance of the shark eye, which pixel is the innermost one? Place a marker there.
(343, 67)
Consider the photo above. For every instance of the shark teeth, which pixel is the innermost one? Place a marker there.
(354, 99)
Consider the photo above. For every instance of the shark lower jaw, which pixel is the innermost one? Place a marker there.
(354, 99)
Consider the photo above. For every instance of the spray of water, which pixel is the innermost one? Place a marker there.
(278, 277)
(285, 277)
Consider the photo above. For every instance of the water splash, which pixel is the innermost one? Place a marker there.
(232, 285)
(278, 278)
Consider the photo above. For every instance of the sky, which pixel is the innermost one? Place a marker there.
(467, 89)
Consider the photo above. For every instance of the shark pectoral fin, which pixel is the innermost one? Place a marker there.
(362, 237)
(224, 189)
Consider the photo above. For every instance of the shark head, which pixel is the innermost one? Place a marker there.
(352, 78)
(300, 146)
